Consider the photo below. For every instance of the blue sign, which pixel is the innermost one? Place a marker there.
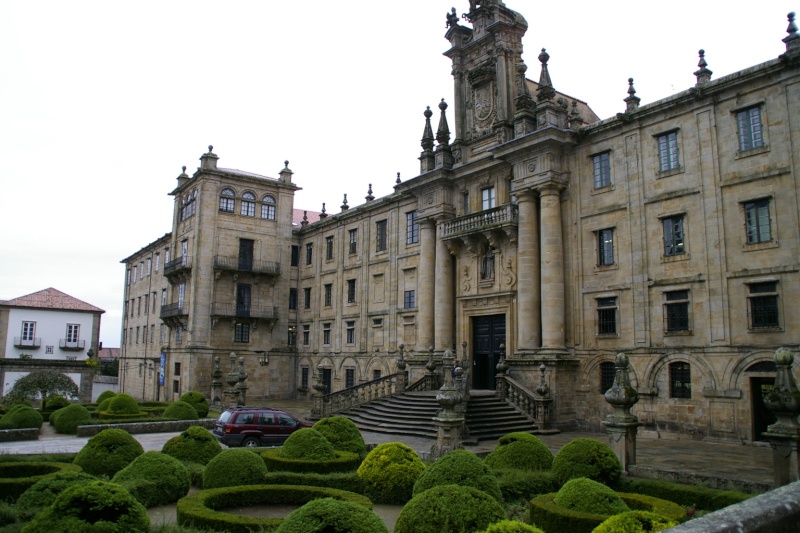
(161, 370)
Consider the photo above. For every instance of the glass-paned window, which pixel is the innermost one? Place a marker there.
(291, 339)
(676, 311)
(28, 331)
(268, 207)
(353, 236)
(152, 333)
(292, 298)
(154, 299)
(607, 316)
(248, 204)
(326, 333)
(176, 369)
(605, 246)
(246, 247)
(329, 248)
(607, 373)
(488, 200)
(673, 235)
(668, 151)
(409, 299)
(376, 374)
(158, 261)
(328, 288)
(602, 170)
(188, 206)
(181, 294)
(412, 228)
(351, 291)
(350, 331)
(757, 222)
(465, 207)
(309, 253)
(750, 132)
(241, 332)
(349, 378)
(163, 297)
(178, 334)
(137, 334)
(307, 298)
(135, 271)
(149, 265)
(680, 380)
(306, 335)
(380, 235)
(243, 299)
(764, 305)
(304, 377)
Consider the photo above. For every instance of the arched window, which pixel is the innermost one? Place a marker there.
(268, 207)
(248, 204)
(680, 380)
(227, 201)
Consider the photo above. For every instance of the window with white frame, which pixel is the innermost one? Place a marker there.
(158, 261)
(73, 332)
(751, 134)
(602, 170)
(668, 151)
(227, 200)
(268, 207)
(757, 221)
(488, 200)
(149, 265)
(248, 204)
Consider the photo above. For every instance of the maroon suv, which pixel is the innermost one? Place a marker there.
(256, 426)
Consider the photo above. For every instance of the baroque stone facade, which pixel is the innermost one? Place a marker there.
(540, 233)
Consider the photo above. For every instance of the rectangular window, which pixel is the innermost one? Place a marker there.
(243, 299)
(28, 331)
(241, 332)
(166, 256)
(149, 265)
(757, 221)
(607, 374)
(605, 247)
(607, 316)
(135, 270)
(248, 205)
(488, 200)
(141, 270)
(163, 297)
(161, 333)
(158, 261)
(176, 387)
(353, 235)
(351, 291)
(309, 253)
(268, 208)
(133, 307)
(465, 206)
(306, 335)
(291, 339)
(178, 334)
(49, 349)
(144, 334)
(409, 301)
(412, 228)
(292, 299)
(304, 377)
(673, 235)
(181, 294)
(129, 276)
(328, 291)
(602, 170)
(676, 311)
(349, 378)
(326, 333)
(750, 133)
(329, 248)
(146, 296)
(668, 151)
(184, 251)
(154, 299)
(380, 235)
(680, 380)
(137, 334)
(130, 335)
(351, 331)
(307, 298)
(246, 247)
(764, 305)
(376, 374)
(138, 306)
(295, 255)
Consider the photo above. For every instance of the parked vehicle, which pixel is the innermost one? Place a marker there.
(256, 426)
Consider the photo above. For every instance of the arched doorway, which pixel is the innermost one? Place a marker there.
(760, 386)
(488, 333)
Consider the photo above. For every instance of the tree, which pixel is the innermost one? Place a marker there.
(41, 383)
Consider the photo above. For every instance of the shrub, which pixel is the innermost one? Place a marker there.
(389, 472)
(18, 476)
(41, 384)
(22, 417)
(106, 395)
(180, 411)
(449, 508)
(195, 444)
(459, 467)
(516, 485)
(234, 467)
(155, 478)
(97, 506)
(327, 515)
(511, 526)
(348, 481)
(108, 452)
(67, 419)
(635, 522)
(308, 443)
(343, 434)
(587, 496)
(687, 495)
(587, 458)
(520, 451)
(122, 404)
(42, 493)
(198, 401)
(55, 402)
(342, 462)
(8, 516)
(103, 406)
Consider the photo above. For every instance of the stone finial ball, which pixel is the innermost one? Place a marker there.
(622, 359)
(784, 356)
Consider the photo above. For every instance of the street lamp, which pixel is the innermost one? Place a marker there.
(263, 358)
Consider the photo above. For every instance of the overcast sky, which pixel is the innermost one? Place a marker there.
(102, 102)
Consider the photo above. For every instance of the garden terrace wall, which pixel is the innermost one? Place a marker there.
(8, 435)
(147, 427)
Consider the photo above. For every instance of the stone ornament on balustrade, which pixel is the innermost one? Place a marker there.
(622, 426)
(784, 435)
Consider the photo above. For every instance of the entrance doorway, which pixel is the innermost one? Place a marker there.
(488, 333)
(762, 417)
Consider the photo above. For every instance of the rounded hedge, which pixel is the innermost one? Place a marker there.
(42, 493)
(389, 472)
(342, 433)
(460, 467)
(308, 443)
(67, 419)
(180, 411)
(234, 467)
(511, 526)
(123, 404)
(587, 496)
(327, 515)
(18, 476)
(54, 402)
(97, 506)
(108, 452)
(103, 406)
(587, 458)
(449, 508)
(195, 444)
(105, 395)
(198, 401)
(635, 522)
(23, 417)
(519, 485)
(155, 478)
(342, 462)
(521, 451)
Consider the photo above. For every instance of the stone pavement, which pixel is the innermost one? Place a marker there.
(746, 466)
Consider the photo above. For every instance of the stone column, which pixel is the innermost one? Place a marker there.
(528, 274)
(622, 426)
(443, 321)
(449, 421)
(784, 435)
(552, 269)
(426, 283)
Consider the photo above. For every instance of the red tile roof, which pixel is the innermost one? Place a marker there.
(297, 216)
(52, 299)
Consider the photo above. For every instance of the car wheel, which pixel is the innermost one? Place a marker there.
(250, 442)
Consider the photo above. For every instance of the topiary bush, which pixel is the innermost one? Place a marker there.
(516, 485)
(97, 506)
(587, 458)
(42, 493)
(18, 476)
(198, 401)
(55, 402)
(8, 517)
(587, 496)
(459, 467)
(195, 444)
(155, 478)
(449, 508)
(511, 526)
(520, 451)
(308, 443)
(103, 406)
(180, 411)
(123, 404)
(234, 467)
(108, 452)
(327, 515)
(342, 462)
(67, 419)
(22, 417)
(389, 472)
(635, 522)
(105, 395)
(342, 433)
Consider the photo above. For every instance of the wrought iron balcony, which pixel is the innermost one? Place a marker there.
(243, 311)
(503, 217)
(177, 265)
(33, 343)
(271, 268)
(69, 345)
(171, 310)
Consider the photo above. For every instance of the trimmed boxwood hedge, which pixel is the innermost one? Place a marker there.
(550, 517)
(586, 496)
(389, 472)
(237, 466)
(155, 478)
(181, 411)
(519, 485)
(342, 433)
(635, 522)
(198, 401)
(327, 515)
(343, 462)
(459, 467)
(520, 451)
(22, 417)
(105, 395)
(449, 508)
(108, 452)
(195, 444)
(587, 458)
(343, 481)
(44, 491)
(511, 526)
(67, 419)
(18, 476)
(701, 497)
(200, 510)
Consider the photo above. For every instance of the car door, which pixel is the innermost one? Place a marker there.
(286, 425)
(268, 428)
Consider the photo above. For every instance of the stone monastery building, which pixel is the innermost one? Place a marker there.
(535, 231)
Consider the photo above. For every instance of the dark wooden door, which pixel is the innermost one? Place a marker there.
(488, 333)
(762, 417)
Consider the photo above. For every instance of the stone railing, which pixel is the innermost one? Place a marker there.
(490, 218)
(340, 401)
(518, 395)
(427, 382)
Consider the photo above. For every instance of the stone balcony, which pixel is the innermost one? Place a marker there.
(503, 219)
(238, 264)
(178, 270)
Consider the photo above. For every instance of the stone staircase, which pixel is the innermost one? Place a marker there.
(411, 413)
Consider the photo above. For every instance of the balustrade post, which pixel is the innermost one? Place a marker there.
(784, 435)
(622, 426)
